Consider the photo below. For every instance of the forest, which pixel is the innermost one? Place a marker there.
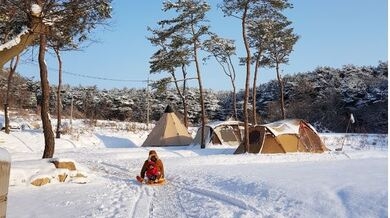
(324, 97)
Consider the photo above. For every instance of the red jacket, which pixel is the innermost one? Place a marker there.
(152, 169)
(158, 165)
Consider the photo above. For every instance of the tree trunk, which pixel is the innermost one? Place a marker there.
(248, 74)
(184, 98)
(7, 54)
(59, 105)
(254, 115)
(6, 119)
(232, 80)
(281, 88)
(25, 40)
(203, 117)
(185, 108)
(234, 101)
(9, 86)
(232, 75)
(47, 128)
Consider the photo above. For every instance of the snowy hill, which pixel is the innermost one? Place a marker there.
(209, 182)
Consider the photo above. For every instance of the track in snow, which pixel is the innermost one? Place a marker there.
(181, 197)
(25, 144)
(177, 199)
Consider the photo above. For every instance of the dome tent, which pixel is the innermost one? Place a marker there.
(290, 135)
(221, 132)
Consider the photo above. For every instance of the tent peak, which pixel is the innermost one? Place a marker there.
(168, 109)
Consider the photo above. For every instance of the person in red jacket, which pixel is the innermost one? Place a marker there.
(153, 168)
(152, 172)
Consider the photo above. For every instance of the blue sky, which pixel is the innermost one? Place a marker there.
(332, 33)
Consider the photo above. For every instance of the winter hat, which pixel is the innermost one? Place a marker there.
(152, 153)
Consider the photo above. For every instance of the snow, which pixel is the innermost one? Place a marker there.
(15, 41)
(208, 182)
(284, 127)
(214, 124)
(36, 10)
(4, 155)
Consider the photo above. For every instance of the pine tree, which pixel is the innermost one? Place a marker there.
(67, 20)
(173, 54)
(282, 40)
(190, 27)
(246, 11)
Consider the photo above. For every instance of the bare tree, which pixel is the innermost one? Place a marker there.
(59, 105)
(12, 69)
(222, 50)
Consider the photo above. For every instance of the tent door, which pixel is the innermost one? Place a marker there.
(256, 139)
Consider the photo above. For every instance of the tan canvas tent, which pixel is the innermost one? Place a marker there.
(290, 135)
(221, 132)
(169, 131)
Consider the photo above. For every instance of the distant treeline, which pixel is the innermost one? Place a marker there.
(325, 97)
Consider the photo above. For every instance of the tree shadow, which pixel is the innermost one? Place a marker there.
(116, 142)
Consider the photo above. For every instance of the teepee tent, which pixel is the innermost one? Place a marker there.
(168, 131)
(290, 135)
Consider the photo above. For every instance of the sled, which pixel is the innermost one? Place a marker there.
(153, 183)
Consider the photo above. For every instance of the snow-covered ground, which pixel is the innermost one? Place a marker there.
(208, 182)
